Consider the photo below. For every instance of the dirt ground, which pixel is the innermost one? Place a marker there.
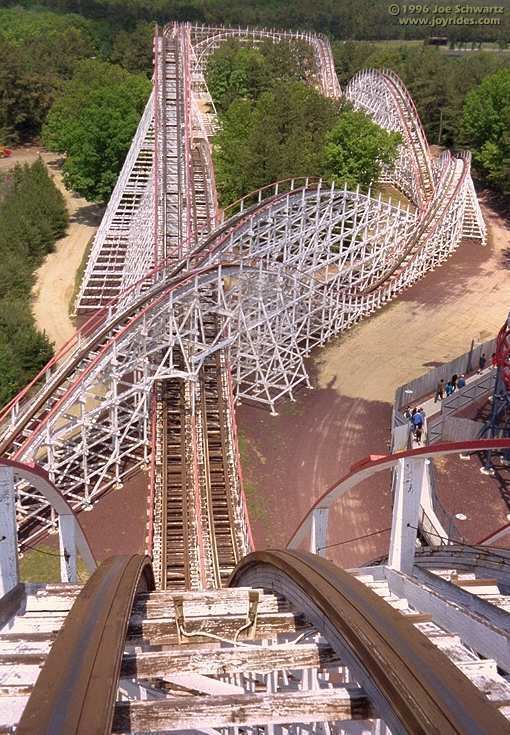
(291, 459)
(55, 279)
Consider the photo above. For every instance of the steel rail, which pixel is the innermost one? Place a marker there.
(365, 468)
(416, 688)
(76, 691)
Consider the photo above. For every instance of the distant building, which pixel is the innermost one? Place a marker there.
(436, 41)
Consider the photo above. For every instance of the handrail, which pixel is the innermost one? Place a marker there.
(38, 478)
(373, 464)
(414, 686)
(76, 691)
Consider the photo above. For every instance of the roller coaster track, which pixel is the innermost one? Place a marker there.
(288, 268)
(193, 308)
(294, 642)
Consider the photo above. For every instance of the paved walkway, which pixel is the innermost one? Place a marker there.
(433, 407)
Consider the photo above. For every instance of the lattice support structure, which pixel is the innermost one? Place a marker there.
(288, 272)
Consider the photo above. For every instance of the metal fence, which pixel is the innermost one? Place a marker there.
(462, 398)
(426, 384)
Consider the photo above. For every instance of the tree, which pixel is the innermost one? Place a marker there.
(133, 49)
(278, 136)
(93, 122)
(32, 216)
(235, 70)
(356, 150)
(486, 128)
(37, 51)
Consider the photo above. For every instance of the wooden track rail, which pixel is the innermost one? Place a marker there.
(425, 693)
(77, 689)
(400, 676)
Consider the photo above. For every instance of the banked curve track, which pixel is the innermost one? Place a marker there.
(293, 268)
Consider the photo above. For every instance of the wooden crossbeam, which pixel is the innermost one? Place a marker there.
(164, 630)
(246, 709)
(259, 659)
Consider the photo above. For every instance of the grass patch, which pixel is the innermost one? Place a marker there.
(244, 449)
(389, 192)
(256, 506)
(43, 565)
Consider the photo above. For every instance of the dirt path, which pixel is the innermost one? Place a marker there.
(55, 279)
(291, 459)
(433, 322)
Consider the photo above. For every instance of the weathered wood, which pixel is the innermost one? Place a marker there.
(164, 630)
(200, 684)
(415, 618)
(260, 659)
(10, 712)
(21, 690)
(16, 676)
(204, 604)
(22, 659)
(246, 709)
(10, 603)
(23, 637)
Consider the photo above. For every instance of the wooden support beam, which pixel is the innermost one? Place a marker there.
(247, 709)
(260, 659)
(164, 630)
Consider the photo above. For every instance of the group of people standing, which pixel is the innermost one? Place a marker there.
(459, 381)
(442, 390)
(417, 419)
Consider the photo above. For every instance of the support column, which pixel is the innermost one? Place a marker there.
(67, 544)
(8, 532)
(406, 511)
(319, 531)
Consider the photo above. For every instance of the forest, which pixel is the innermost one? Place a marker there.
(275, 125)
(343, 19)
(33, 217)
(46, 53)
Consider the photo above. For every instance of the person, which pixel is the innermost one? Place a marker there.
(494, 360)
(482, 362)
(407, 413)
(448, 389)
(422, 411)
(439, 391)
(417, 420)
(417, 434)
(453, 381)
(461, 382)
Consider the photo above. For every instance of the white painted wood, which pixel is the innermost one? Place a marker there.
(406, 507)
(458, 614)
(8, 533)
(319, 531)
(67, 542)
(11, 709)
(200, 684)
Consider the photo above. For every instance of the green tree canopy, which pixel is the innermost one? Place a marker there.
(486, 127)
(38, 50)
(278, 136)
(356, 149)
(93, 122)
(133, 49)
(32, 216)
(235, 70)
